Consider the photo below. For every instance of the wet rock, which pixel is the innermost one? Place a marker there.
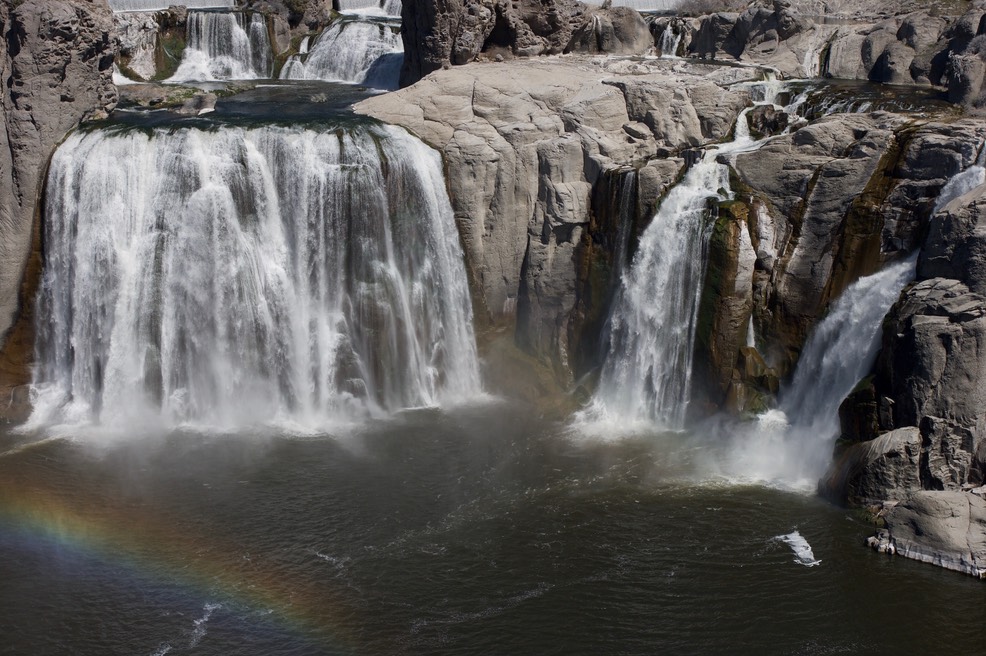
(767, 120)
(886, 468)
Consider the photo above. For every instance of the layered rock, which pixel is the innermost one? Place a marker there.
(56, 59)
(526, 144)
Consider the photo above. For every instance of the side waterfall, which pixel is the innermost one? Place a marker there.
(646, 377)
(366, 52)
(225, 45)
(232, 277)
(792, 446)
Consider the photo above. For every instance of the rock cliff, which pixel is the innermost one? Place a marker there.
(526, 145)
(56, 61)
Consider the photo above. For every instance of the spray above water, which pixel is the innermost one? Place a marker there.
(223, 278)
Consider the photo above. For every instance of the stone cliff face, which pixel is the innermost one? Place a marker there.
(440, 33)
(56, 61)
(527, 145)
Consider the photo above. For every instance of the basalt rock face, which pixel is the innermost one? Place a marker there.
(56, 60)
(527, 146)
(438, 33)
(441, 33)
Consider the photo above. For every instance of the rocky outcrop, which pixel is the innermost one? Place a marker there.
(439, 33)
(893, 42)
(947, 529)
(615, 31)
(525, 146)
(956, 244)
(56, 59)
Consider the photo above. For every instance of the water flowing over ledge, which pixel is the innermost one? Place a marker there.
(368, 52)
(225, 46)
(223, 278)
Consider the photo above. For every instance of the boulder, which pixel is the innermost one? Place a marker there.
(947, 529)
(933, 359)
(887, 468)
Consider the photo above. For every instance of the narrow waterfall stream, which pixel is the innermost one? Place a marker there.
(233, 276)
(225, 45)
(646, 377)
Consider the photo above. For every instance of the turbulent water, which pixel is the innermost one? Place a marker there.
(224, 277)
(223, 45)
(363, 51)
(670, 42)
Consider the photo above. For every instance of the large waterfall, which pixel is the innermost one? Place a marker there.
(229, 277)
(224, 45)
(363, 51)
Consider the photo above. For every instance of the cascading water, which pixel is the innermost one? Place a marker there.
(158, 5)
(224, 45)
(646, 377)
(670, 42)
(366, 52)
(963, 183)
(232, 277)
(370, 7)
(792, 446)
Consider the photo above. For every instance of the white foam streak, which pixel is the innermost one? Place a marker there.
(803, 554)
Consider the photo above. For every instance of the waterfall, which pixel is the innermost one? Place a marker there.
(370, 7)
(646, 377)
(225, 45)
(232, 277)
(670, 41)
(963, 183)
(158, 5)
(841, 350)
(366, 52)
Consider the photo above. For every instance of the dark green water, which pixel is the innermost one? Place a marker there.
(479, 531)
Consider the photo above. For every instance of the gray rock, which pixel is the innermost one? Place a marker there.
(887, 468)
(525, 143)
(947, 529)
(56, 59)
(616, 31)
(437, 33)
(956, 244)
(933, 359)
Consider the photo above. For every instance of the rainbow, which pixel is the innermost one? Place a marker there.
(137, 539)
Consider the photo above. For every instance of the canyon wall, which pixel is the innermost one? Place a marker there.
(56, 61)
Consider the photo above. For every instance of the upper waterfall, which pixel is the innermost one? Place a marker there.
(369, 52)
(225, 45)
(225, 277)
(158, 5)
